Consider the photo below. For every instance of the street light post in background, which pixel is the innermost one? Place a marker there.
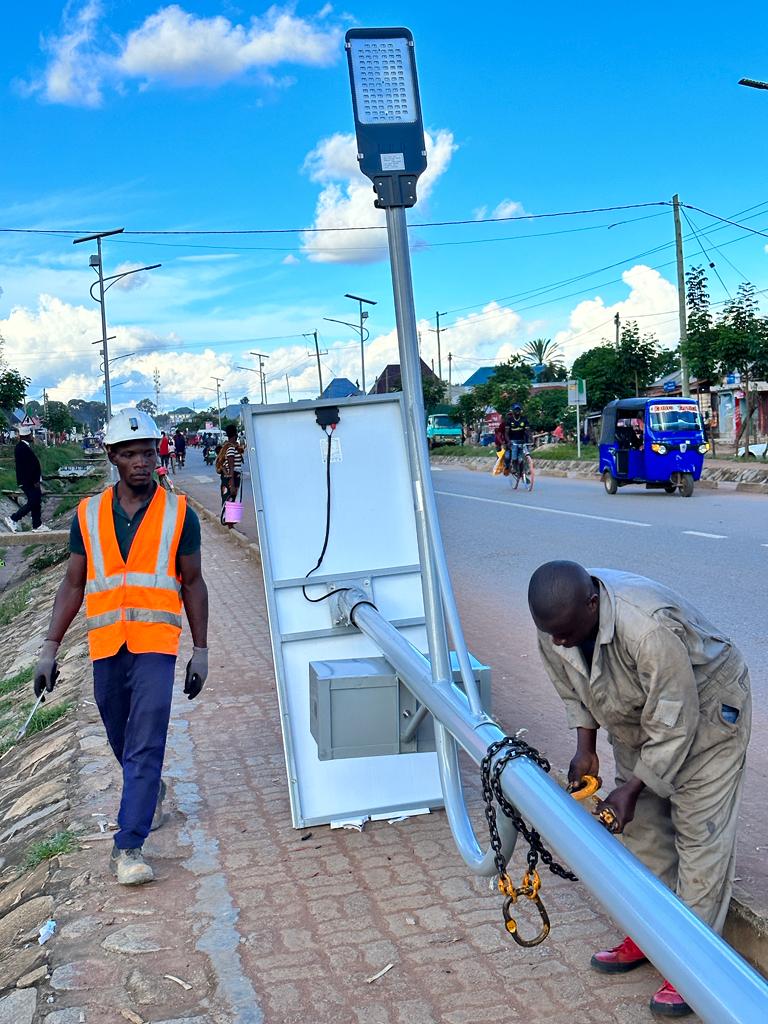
(97, 264)
(262, 376)
(218, 397)
(363, 316)
(436, 330)
(313, 334)
(753, 83)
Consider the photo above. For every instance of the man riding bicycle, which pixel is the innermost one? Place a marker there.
(517, 433)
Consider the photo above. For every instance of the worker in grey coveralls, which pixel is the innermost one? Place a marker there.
(673, 692)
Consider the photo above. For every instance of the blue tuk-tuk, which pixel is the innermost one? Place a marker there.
(658, 442)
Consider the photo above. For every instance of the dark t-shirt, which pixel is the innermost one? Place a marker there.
(125, 529)
(517, 429)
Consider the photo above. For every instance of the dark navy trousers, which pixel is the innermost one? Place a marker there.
(133, 693)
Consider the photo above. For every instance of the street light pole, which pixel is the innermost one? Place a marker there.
(313, 334)
(262, 376)
(363, 316)
(97, 264)
(218, 397)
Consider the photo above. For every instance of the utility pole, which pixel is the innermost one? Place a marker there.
(218, 397)
(617, 321)
(313, 334)
(262, 376)
(156, 379)
(439, 360)
(288, 385)
(686, 385)
(450, 359)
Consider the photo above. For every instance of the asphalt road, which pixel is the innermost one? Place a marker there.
(712, 548)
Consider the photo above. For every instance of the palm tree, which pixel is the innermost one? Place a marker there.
(543, 351)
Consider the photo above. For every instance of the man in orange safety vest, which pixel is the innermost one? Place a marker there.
(135, 559)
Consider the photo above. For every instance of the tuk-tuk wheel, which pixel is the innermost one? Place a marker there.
(609, 482)
(686, 485)
(670, 488)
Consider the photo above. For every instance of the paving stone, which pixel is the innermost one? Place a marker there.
(134, 938)
(29, 915)
(52, 746)
(37, 796)
(39, 974)
(146, 989)
(18, 1007)
(86, 975)
(188, 1020)
(71, 1015)
(82, 927)
(93, 742)
(26, 887)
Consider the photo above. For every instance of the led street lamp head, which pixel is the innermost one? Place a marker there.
(388, 121)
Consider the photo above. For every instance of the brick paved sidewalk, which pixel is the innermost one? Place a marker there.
(266, 923)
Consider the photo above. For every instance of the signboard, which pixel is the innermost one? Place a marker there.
(28, 422)
(493, 419)
(661, 407)
(670, 385)
(577, 392)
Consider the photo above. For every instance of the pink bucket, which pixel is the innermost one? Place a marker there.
(233, 511)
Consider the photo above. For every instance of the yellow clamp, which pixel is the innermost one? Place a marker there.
(529, 889)
(586, 789)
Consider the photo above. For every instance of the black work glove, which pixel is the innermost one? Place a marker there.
(197, 672)
(46, 669)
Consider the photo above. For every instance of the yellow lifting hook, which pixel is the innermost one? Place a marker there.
(529, 889)
(585, 790)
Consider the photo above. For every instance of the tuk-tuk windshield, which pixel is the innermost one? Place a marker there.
(443, 421)
(674, 418)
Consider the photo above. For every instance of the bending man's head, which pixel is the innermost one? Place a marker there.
(564, 602)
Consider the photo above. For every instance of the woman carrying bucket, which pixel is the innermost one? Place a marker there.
(230, 465)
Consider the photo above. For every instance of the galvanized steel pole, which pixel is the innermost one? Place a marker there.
(720, 986)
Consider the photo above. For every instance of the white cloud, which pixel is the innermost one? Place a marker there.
(290, 260)
(177, 48)
(346, 199)
(133, 281)
(652, 301)
(506, 208)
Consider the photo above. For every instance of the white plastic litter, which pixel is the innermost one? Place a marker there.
(48, 929)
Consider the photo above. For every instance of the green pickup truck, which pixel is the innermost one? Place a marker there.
(441, 429)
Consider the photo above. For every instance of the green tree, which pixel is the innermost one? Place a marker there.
(701, 344)
(433, 390)
(90, 415)
(549, 407)
(13, 389)
(547, 353)
(638, 358)
(58, 417)
(148, 406)
(599, 367)
(471, 410)
(34, 409)
(510, 382)
(742, 345)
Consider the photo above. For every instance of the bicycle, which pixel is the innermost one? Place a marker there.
(521, 468)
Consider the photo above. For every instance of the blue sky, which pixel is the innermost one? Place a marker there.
(213, 115)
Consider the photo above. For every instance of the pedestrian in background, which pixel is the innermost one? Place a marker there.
(629, 655)
(229, 463)
(28, 477)
(163, 449)
(135, 557)
(180, 443)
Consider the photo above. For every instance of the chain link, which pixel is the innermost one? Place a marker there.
(491, 783)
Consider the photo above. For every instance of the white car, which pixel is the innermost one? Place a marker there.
(756, 451)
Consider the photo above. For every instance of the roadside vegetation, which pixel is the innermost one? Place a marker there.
(59, 843)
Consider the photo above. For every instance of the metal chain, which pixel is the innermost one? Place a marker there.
(491, 783)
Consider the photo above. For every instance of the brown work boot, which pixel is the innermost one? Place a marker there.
(622, 958)
(668, 1002)
(130, 867)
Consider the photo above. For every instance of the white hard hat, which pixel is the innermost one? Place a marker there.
(131, 425)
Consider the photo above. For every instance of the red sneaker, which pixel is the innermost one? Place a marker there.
(668, 1002)
(622, 958)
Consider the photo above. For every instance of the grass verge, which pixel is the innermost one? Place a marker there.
(464, 450)
(14, 603)
(60, 842)
(16, 681)
(49, 557)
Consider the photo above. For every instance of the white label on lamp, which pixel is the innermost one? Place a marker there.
(392, 162)
(335, 449)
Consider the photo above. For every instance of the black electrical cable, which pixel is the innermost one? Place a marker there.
(317, 600)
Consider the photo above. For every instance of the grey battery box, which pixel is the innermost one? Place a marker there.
(359, 708)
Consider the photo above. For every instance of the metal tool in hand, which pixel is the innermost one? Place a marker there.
(586, 789)
(491, 781)
(40, 700)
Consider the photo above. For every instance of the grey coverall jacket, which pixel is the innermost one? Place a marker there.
(661, 674)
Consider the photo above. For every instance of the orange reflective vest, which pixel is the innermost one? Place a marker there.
(138, 602)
